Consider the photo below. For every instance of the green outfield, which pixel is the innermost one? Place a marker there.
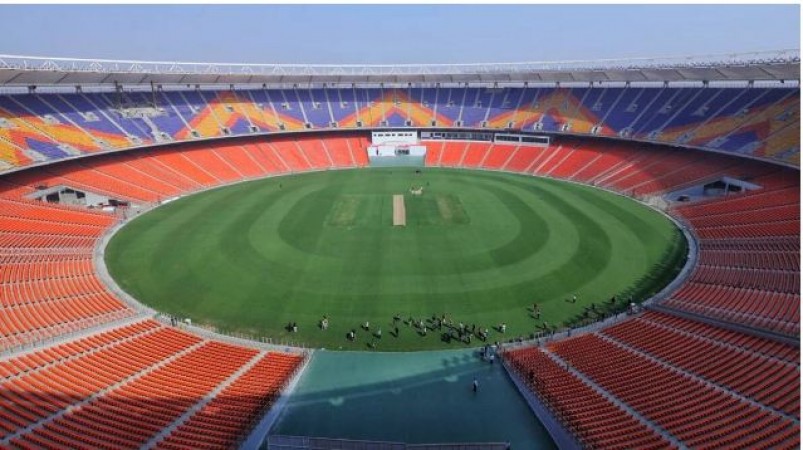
(480, 247)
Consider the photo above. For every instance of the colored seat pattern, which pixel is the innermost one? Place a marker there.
(761, 121)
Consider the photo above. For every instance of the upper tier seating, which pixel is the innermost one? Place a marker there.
(758, 121)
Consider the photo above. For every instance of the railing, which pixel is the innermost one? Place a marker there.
(563, 434)
(28, 251)
(240, 338)
(34, 339)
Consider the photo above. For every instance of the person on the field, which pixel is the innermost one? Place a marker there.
(367, 326)
(574, 298)
(503, 327)
(475, 386)
(351, 335)
(379, 333)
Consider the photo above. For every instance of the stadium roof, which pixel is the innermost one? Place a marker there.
(43, 71)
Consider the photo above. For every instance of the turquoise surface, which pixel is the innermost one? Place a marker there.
(417, 397)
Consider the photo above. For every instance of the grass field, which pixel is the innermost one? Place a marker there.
(481, 247)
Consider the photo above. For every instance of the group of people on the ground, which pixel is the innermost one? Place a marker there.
(176, 321)
(451, 330)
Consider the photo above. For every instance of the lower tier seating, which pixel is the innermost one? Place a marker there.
(730, 390)
(121, 388)
(223, 420)
(754, 376)
(593, 419)
(697, 413)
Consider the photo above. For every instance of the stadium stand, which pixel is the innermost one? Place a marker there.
(763, 122)
(771, 215)
(48, 289)
(733, 388)
(696, 412)
(220, 422)
(758, 377)
(594, 420)
(748, 275)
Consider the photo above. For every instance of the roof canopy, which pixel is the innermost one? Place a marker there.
(40, 71)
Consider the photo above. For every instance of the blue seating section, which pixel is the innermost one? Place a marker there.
(753, 121)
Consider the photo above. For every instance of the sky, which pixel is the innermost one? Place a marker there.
(386, 34)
